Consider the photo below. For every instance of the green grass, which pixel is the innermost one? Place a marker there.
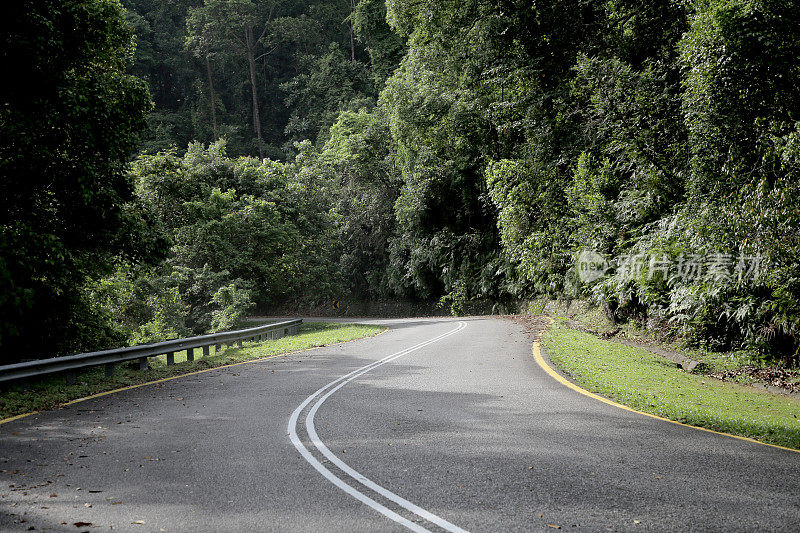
(54, 391)
(642, 380)
(594, 319)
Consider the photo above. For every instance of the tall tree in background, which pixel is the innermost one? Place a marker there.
(161, 59)
(241, 26)
(69, 115)
(198, 40)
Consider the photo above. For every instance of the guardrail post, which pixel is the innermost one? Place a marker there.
(206, 351)
(190, 354)
(170, 358)
(239, 343)
(143, 364)
(109, 369)
(217, 348)
(71, 377)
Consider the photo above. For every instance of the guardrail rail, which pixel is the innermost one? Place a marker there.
(71, 364)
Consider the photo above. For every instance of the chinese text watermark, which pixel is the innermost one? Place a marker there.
(690, 268)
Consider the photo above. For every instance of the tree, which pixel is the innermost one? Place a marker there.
(384, 46)
(69, 116)
(329, 84)
(199, 41)
(161, 60)
(244, 27)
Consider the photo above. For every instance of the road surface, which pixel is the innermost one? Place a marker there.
(438, 424)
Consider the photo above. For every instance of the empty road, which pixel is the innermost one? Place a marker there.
(437, 424)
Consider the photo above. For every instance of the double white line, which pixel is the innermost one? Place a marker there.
(320, 396)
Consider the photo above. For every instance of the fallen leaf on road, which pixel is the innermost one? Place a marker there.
(81, 524)
(554, 526)
(637, 521)
(140, 522)
(54, 495)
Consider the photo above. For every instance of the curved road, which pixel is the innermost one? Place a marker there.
(438, 424)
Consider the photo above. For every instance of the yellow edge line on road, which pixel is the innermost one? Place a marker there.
(194, 372)
(537, 355)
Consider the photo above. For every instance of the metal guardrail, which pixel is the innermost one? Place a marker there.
(72, 363)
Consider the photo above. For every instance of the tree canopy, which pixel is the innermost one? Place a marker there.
(69, 119)
(298, 151)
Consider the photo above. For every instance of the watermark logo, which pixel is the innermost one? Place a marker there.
(691, 268)
(591, 266)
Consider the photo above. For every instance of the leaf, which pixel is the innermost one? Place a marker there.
(81, 524)
(554, 526)
(140, 522)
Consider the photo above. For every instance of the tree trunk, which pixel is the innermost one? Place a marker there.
(252, 62)
(353, 4)
(352, 44)
(213, 98)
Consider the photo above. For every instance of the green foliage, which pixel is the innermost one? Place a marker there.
(455, 299)
(357, 166)
(69, 117)
(330, 84)
(425, 150)
(244, 232)
(168, 319)
(232, 304)
(741, 81)
(385, 48)
(196, 56)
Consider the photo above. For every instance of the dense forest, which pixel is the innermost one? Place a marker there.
(168, 167)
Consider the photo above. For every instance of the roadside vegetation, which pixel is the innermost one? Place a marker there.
(642, 380)
(744, 365)
(54, 391)
(169, 167)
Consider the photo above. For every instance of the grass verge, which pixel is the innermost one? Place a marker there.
(54, 391)
(646, 382)
(593, 319)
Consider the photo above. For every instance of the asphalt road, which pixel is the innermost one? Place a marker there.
(438, 424)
